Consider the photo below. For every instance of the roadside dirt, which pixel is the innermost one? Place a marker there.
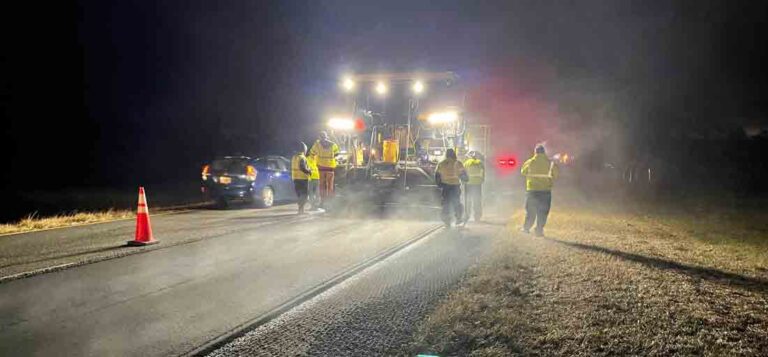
(607, 282)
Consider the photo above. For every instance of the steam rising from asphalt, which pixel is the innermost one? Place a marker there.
(529, 103)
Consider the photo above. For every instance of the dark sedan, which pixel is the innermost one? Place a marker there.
(261, 181)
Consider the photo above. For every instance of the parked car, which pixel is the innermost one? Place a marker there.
(261, 181)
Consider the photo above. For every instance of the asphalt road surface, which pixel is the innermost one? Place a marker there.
(376, 312)
(237, 265)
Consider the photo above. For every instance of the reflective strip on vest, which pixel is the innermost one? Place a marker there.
(475, 171)
(325, 156)
(548, 175)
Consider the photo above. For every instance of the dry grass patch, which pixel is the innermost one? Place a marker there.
(611, 284)
(34, 223)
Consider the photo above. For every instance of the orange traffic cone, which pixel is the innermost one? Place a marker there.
(143, 228)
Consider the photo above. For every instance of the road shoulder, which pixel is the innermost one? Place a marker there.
(33, 253)
(603, 285)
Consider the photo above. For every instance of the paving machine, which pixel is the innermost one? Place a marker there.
(399, 127)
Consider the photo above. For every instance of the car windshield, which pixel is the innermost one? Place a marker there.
(230, 165)
(260, 163)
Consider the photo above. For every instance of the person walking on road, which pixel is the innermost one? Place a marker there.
(314, 183)
(325, 151)
(448, 175)
(540, 173)
(474, 187)
(300, 174)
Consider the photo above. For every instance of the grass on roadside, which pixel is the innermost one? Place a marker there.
(620, 283)
(33, 223)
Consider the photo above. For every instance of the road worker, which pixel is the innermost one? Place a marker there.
(325, 151)
(448, 175)
(359, 156)
(300, 174)
(540, 172)
(474, 187)
(314, 184)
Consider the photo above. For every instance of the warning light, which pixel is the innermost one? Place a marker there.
(359, 124)
(507, 162)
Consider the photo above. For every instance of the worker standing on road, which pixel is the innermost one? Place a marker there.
(448, 175)
(325, 151)
(540, 173)
(314, 184)
(474, 195)
(300, 174)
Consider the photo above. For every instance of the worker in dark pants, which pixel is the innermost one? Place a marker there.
(540, 173)
(474, 195)
(300, 174)
(314, 183)
(448, 175)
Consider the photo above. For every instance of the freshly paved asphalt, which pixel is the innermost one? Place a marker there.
(170, 301)
(376, 312)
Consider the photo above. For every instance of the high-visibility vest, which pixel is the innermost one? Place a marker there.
(450, 170)
(312, 163)
(539, 173)
(359, 159)
(475, 171)
(326, 156)
(296, 173)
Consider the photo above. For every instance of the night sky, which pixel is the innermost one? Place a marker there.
(100, 93)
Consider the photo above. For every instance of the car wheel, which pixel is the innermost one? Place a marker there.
(267, 198)
(221, 203)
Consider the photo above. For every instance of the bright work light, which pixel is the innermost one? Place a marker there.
(348, 84)
(381, 88)
(443, 118)
(418, 87)
(341, 124)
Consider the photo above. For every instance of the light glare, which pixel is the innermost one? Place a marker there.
(443, 118)
(418, 87)
(348, 84)
(341, 124)
(381, 88)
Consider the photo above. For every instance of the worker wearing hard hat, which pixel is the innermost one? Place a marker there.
(448, 175)
(325, 151)
(540, 172)
(314, 184)
(300, 174)
(474, 187)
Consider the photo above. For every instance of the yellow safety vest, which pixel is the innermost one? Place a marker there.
(539, 173)
(359, 160)
(475, 171)
(312, 163)
(296, 173)
(450, 170)
(326, 156)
